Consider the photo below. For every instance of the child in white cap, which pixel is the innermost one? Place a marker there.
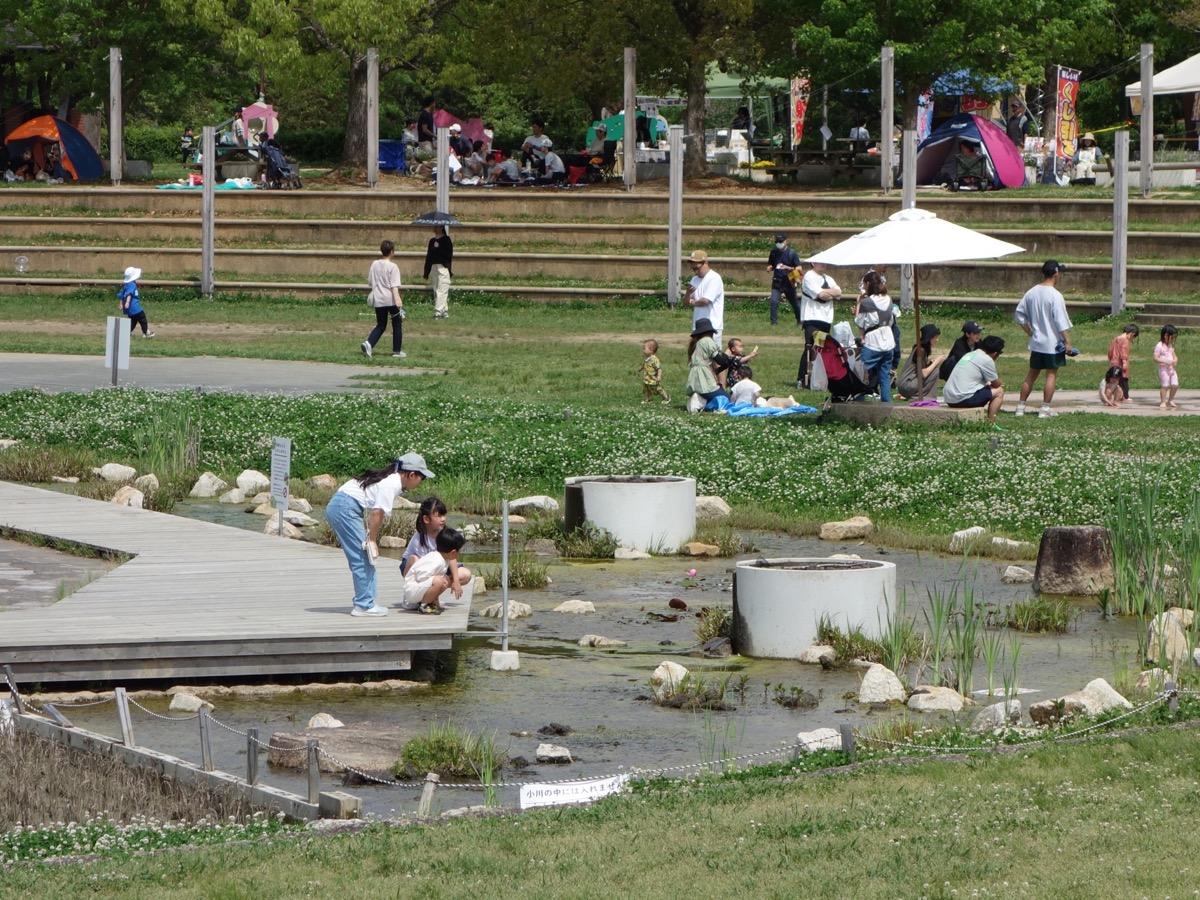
(131, 303)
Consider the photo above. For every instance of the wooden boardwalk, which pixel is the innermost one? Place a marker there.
(202, 600)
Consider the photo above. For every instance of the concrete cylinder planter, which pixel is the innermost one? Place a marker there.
(778, 603)
(644, 512)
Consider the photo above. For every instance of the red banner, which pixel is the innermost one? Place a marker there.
(801, 87)
(1066, 115)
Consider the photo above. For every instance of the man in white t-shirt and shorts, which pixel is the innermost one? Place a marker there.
(706, 294)
(1042, 314)
(974, 382)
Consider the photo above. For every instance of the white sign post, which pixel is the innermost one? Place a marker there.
(281, 471)
(116, 345)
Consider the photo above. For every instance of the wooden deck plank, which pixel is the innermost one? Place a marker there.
(197, 595)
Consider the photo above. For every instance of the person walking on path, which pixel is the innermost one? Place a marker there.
(439, 258)
(371, 494)
(1118, 355)
(817, 293)
(1042, 314)
(784, 266)
(384, 279)
(130, 301)
(1167, 359)
(706, 295)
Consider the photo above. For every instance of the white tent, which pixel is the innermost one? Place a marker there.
(1183, 78)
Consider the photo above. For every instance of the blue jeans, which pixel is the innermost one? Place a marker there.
(345, 516)
(879, 363)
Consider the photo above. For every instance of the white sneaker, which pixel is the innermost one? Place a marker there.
(399, 355)
(148, 334)
(1047, 413)
(696, 403)
(373, 610)
(366, 349)
(1020, 411)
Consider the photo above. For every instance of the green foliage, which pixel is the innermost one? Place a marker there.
(730, 542)
(314, 146)
(157, 143)
(588, 541)
(848, 644)
(1041, 615)
(34, 464)
(714, 622)
(524, 571)
(451, 751)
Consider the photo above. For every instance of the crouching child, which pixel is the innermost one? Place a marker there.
(435, 573)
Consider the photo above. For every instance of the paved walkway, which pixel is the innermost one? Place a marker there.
(55, 373)
(1141, 403)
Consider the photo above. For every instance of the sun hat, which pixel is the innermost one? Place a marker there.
(780, 238)
(133, 273)
(698, 256)
(972, 328)
(929, 332)
(1051, 266)
(1089, 137)
(414, 462)
(702, 327)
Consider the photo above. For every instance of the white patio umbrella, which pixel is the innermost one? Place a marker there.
(914, 237)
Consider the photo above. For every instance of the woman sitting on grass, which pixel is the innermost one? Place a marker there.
(702, 352)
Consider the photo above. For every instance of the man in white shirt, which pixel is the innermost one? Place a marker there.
(706, 293)
(554, 169)
(1042, 314)
(535, 146)
(817, 293)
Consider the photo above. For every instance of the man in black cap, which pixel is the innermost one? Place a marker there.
(784, 266)
(1042, 314)
(971, 333)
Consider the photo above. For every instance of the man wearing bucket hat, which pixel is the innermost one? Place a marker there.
(371, 494)
(706, 294)
(784, 266)
(130, 302)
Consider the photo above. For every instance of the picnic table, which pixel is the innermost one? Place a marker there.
(790, 162)
(235, 161)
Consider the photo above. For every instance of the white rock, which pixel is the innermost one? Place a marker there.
(7, 729)
(960, 540)
(188, 703)
(266, 508)
(1154, 679)
(536, 504)
(1167, 636)
(67, 479)
(595, 640)
(1003, 543)
(299, 504)
(516, 520)
(699, 548)
(1100, 697)
(843, 556)
(880, 685)
(299, 519)
(252, 481)
(391, 542)
(116, 472)
(478, 586)
(630, 553)
(1169, 570)
(812, 656)
(147, 484)
(233, 495)
(272, 527)
(711, 507)
(850, 529)
(666, 679)
(260, 498)
(552, 753)
(7, 443)
(998, 715)
(323, 483)
(404, 503)
(324, 720)
(1017, 575)
(1096, 697)
(208, 485)
(472, 531)
(128, 495)
(821, 739)
(578, 607)
(515, 610)
(935, 698)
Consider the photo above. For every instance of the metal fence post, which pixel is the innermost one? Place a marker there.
(314, 773)
(252, 756)
(124, 718)
(205, 742)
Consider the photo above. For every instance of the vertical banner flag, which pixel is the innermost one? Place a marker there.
(801, 87)
(1066, 118)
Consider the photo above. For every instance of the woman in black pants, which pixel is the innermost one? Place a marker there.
(385, 297)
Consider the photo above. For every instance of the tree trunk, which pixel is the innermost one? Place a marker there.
(354, 150)
(695, 157)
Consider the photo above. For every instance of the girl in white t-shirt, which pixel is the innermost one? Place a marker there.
(431, 519)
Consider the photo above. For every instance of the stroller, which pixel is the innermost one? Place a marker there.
(279, 175)
(833, 366)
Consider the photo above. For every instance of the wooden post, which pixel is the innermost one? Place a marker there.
(18, 700)
(675, 215)
(1120, 219)
(124, 718)
(1147, 122)
(443, 170)
(887, 84)
(251, 756)
(372, 117)
(314, 773)
(431, 782)
(1171, 688)
(206, 762)
(630, 153)
(116, 118)
(208, 209)
(52, 713)
(848, 739)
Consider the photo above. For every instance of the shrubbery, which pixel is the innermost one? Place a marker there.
(160, 143)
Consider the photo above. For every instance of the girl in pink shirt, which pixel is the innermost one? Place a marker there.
(1168, 380)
